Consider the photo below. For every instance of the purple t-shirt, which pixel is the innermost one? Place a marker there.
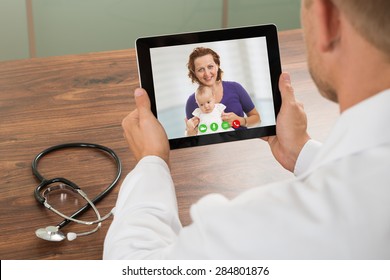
(235, 98)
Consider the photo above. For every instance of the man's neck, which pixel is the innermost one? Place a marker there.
(364, 81)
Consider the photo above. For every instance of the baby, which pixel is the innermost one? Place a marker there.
(209, 113)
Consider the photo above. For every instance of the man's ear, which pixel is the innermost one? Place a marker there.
(328, 24)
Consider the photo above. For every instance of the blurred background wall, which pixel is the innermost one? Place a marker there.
(39, 28)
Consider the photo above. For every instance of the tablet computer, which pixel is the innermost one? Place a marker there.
(212, 86)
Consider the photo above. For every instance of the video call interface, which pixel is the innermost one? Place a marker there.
(246, 79)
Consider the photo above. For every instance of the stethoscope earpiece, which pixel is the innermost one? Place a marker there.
(53, 233)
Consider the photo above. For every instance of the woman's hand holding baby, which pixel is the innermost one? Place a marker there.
(192, 126)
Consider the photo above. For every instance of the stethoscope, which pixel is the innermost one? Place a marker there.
(54, 233)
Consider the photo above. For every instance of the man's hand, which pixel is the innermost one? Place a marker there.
(291, 126)
(143, 132)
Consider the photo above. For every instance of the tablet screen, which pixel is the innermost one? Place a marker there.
(212, 86)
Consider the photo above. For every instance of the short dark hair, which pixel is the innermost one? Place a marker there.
(370, 18)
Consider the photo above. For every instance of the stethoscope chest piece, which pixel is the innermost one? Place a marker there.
(50, 233)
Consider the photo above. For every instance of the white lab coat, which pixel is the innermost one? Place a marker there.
(337, 207)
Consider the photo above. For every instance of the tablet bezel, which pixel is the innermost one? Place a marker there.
(144, 44)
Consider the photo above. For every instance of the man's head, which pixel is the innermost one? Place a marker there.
(371, 19)
(336, 31)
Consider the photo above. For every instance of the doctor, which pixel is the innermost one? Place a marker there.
(337, 207)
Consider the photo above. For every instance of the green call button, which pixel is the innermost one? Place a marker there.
(203, 128)
(214, 126)
(225, 125)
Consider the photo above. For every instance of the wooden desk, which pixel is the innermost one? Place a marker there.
(83, 98)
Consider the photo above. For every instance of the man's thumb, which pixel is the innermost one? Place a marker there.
(286, 90)
(142, 101)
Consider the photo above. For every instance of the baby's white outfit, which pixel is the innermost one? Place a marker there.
(208, 119)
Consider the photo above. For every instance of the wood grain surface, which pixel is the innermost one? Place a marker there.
(83, 98)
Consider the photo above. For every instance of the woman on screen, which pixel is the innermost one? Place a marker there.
(204, 69)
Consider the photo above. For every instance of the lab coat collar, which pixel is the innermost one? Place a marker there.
(359, 128)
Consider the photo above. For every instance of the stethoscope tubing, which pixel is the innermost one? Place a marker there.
(98, 198)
